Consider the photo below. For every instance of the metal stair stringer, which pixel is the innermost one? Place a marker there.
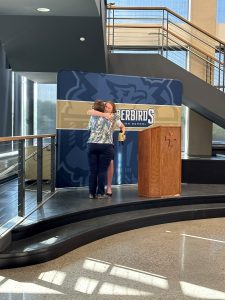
(198, 95)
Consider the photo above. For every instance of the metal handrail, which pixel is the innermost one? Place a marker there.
(194, 43)
(12, 167)
(26, 137)
(172, 33)
(112, 7)
(21, 166)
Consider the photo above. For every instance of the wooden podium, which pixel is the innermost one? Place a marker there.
(159, 161)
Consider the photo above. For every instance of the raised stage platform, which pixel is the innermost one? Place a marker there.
(203, 169)
(70, 219)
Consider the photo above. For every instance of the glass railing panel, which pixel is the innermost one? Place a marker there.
(24, 185)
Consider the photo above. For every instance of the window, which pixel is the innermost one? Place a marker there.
(178, 6)
(45, 108)
(220, 11)
(218, 135)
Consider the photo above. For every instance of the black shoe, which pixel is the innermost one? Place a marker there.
(109, 194)
(91, 196)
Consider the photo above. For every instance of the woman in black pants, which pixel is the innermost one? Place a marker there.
(110, 114)
(100, 151)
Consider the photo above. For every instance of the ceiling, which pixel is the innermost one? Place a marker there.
(38, 45)
(57, 7)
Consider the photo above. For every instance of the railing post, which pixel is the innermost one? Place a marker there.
(158, 39)
(52, 164)
(162, 34)
(167, 33)
(223, 66)
(39, 169)
(21, 178)
(113, 29)
(219, 63)
(108, 24)
(206, 72)
(210, 72)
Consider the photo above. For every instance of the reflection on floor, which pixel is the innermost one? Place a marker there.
(184, 260)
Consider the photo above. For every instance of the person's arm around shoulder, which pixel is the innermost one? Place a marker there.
(95, 113)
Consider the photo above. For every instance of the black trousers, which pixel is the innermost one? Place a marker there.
(99, 157)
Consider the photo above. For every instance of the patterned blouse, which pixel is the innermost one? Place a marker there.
(101, 129)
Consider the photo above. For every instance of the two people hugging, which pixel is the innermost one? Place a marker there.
(103, 121)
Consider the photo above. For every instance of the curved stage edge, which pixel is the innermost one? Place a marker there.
(69, 219)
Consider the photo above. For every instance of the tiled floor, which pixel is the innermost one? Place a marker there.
(183, 260)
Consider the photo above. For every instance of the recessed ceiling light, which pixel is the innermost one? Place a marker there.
(82, 39)
(43, 9)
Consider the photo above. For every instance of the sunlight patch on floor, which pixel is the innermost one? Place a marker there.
(200, 292)
(16, 287)
(115, 289)
(55, 277)
(86, 285)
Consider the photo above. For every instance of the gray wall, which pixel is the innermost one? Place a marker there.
(17, 130)
(30, 108)
(5, 96)
(103, 14)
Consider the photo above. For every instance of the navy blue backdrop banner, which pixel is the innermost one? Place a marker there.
(141, 102)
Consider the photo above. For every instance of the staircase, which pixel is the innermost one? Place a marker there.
(165, 42)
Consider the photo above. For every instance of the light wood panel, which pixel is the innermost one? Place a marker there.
(159, 162)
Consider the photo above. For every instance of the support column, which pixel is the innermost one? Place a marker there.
(17, 124)
(5, 95)
(202, 14)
